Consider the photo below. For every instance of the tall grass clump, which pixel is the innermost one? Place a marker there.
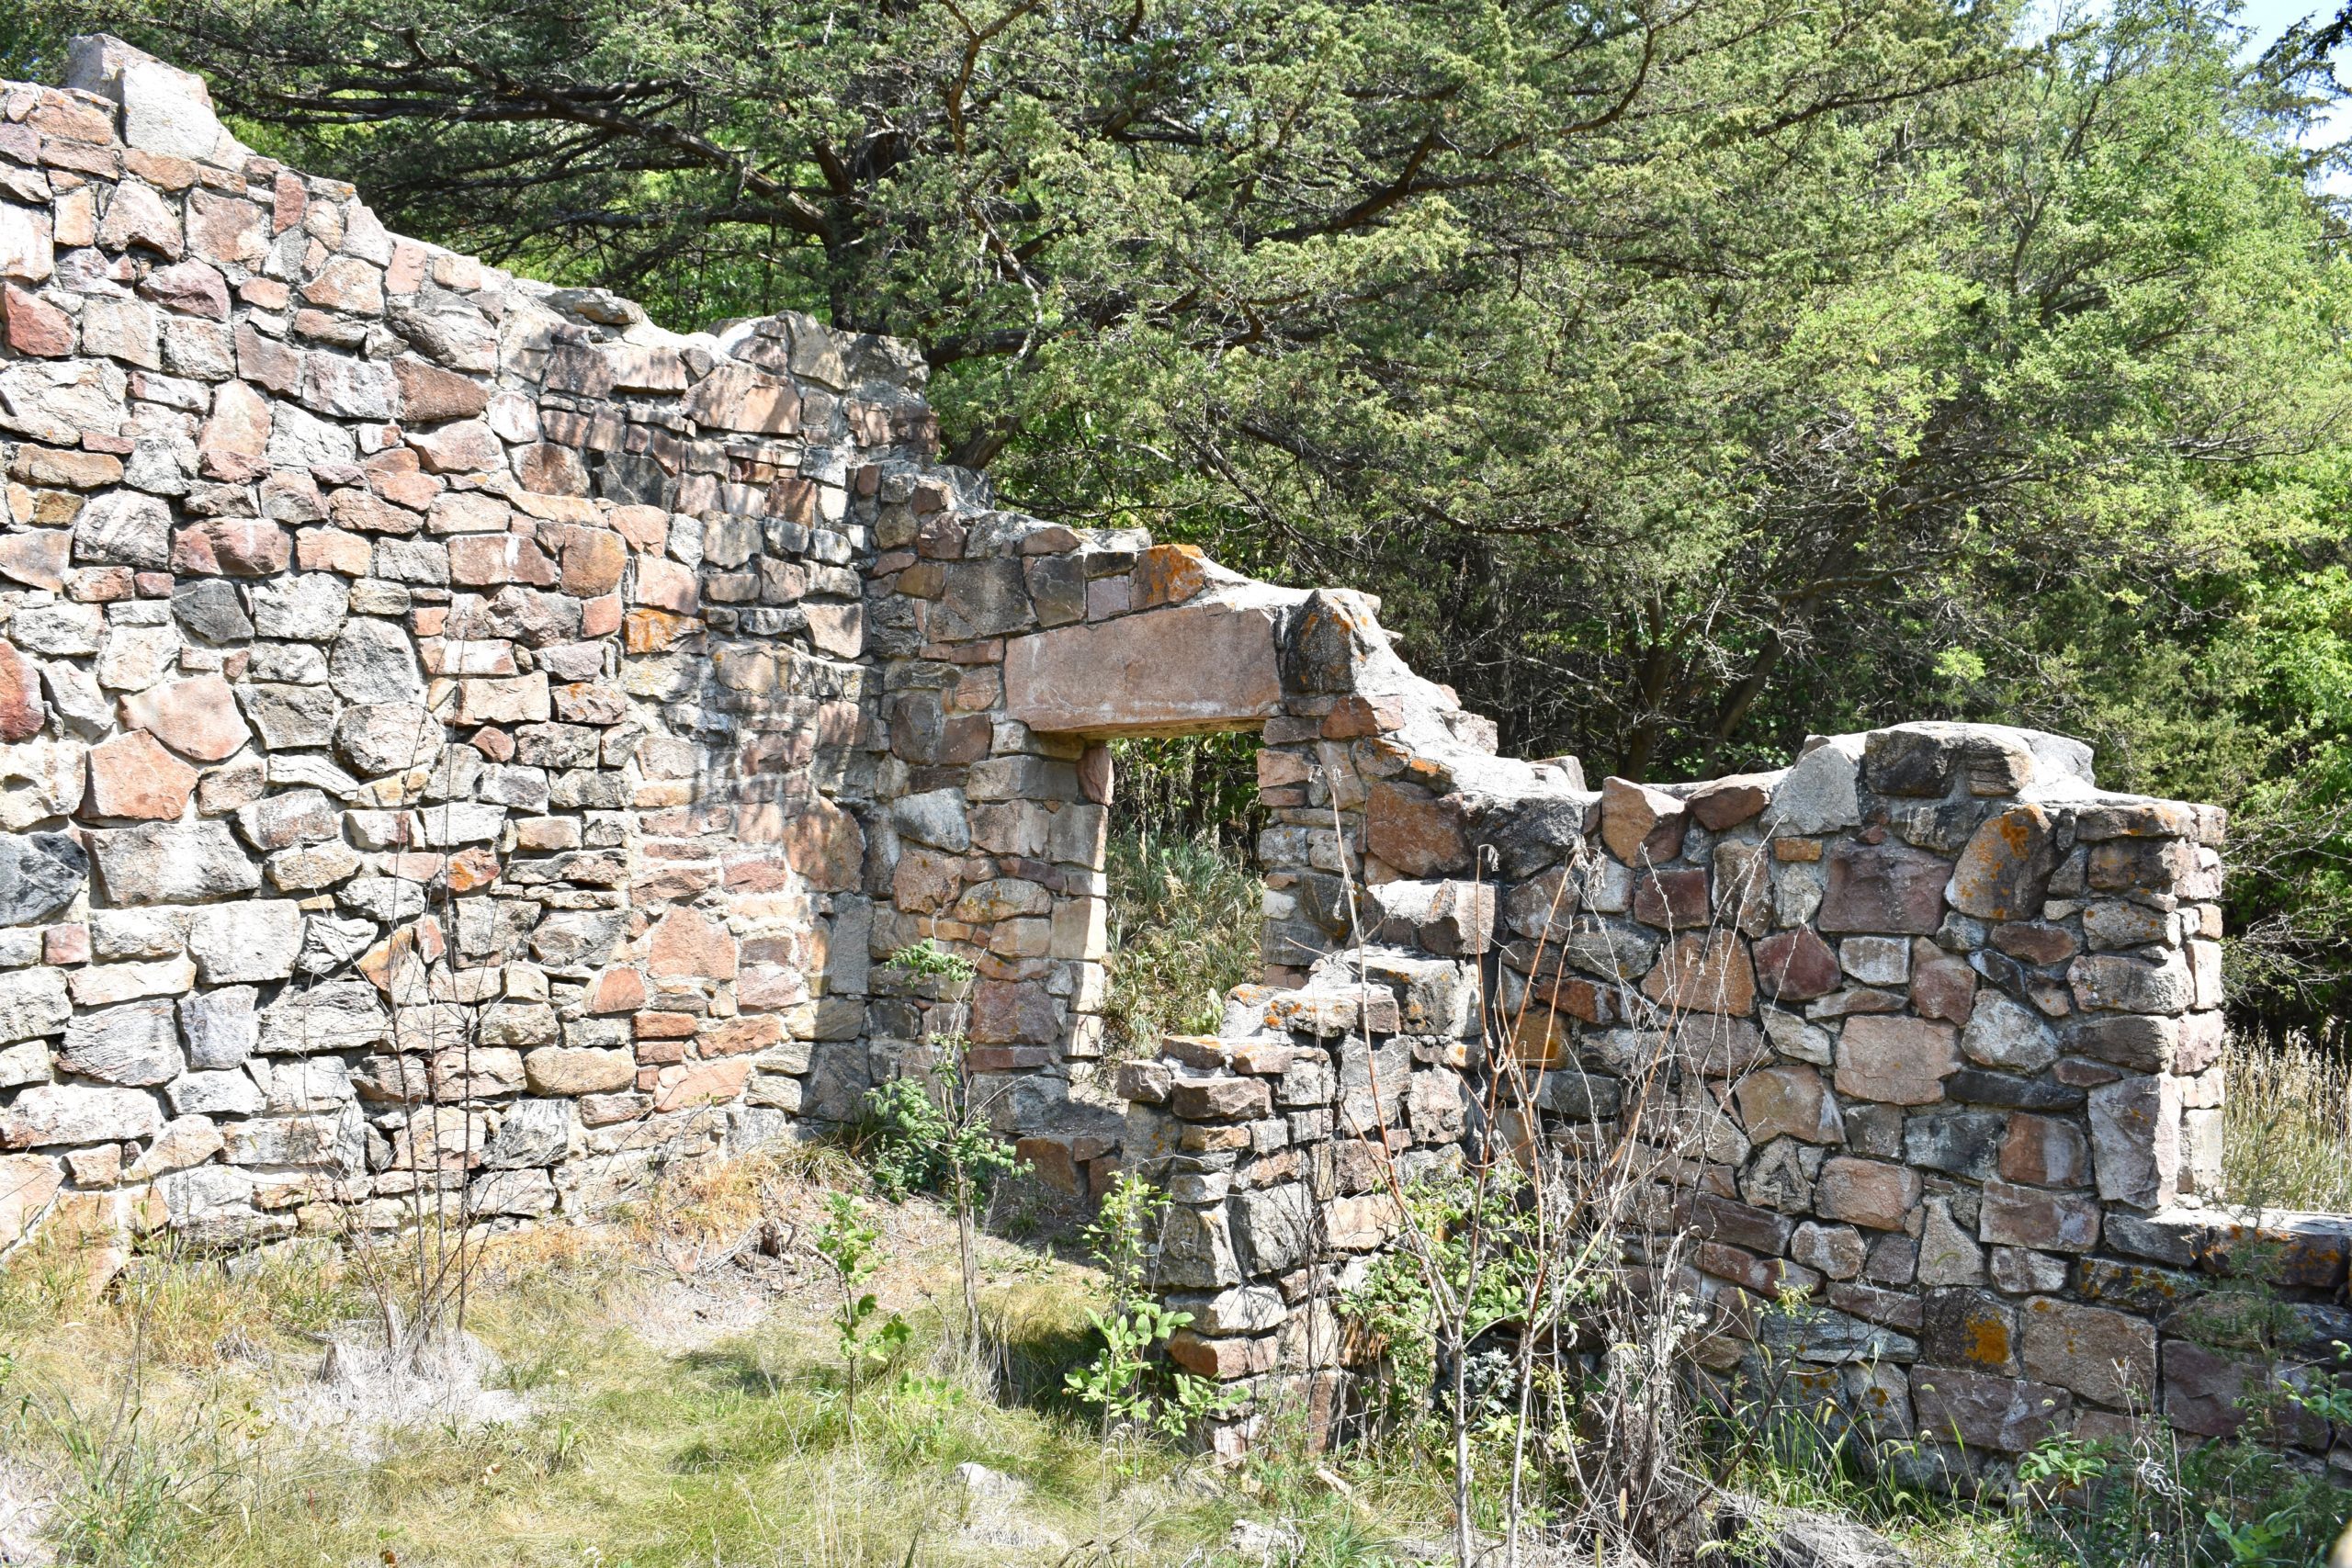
(1184, 921)
(2287, 1125)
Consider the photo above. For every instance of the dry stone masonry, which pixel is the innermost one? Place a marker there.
(457, 738)
(1929, 1022)
(430, 700)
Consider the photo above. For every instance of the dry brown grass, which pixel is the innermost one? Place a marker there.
(667, 1402)
(2286, 1127)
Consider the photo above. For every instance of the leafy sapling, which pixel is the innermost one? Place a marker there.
(852, 1249)
(933, 1131)
(1129, 1380)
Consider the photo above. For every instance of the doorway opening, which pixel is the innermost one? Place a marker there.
(1188, 895)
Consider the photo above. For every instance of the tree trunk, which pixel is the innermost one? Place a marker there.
(968, 1257)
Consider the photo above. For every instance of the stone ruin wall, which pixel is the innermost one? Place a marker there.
(436, 708)
(1925, 1027)
(457, 737)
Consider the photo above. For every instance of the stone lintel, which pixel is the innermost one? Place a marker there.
(1192, 669)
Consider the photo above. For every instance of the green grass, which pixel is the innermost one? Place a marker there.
(643, 1445)
(1796, 1462)
(1185, 914)
(738, 1453)
(651, 1446)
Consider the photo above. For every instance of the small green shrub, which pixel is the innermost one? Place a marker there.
(852, 1249)
(1486, 1253)
(931, 1135)
(927, 959)
(2149, 1501)
(934, 1131)
(1130, 1380)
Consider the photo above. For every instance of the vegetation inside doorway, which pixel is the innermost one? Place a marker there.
(1185, 887)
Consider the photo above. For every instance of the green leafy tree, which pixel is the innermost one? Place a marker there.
(30, 46)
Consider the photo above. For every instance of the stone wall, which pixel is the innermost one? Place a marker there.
(457, 737)
(1935, 1018)
(1925, 1026)
(433, 703)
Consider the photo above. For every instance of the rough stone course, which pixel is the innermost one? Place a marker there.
(372, 712)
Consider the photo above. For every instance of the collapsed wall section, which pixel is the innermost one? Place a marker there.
(1924, 1028)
